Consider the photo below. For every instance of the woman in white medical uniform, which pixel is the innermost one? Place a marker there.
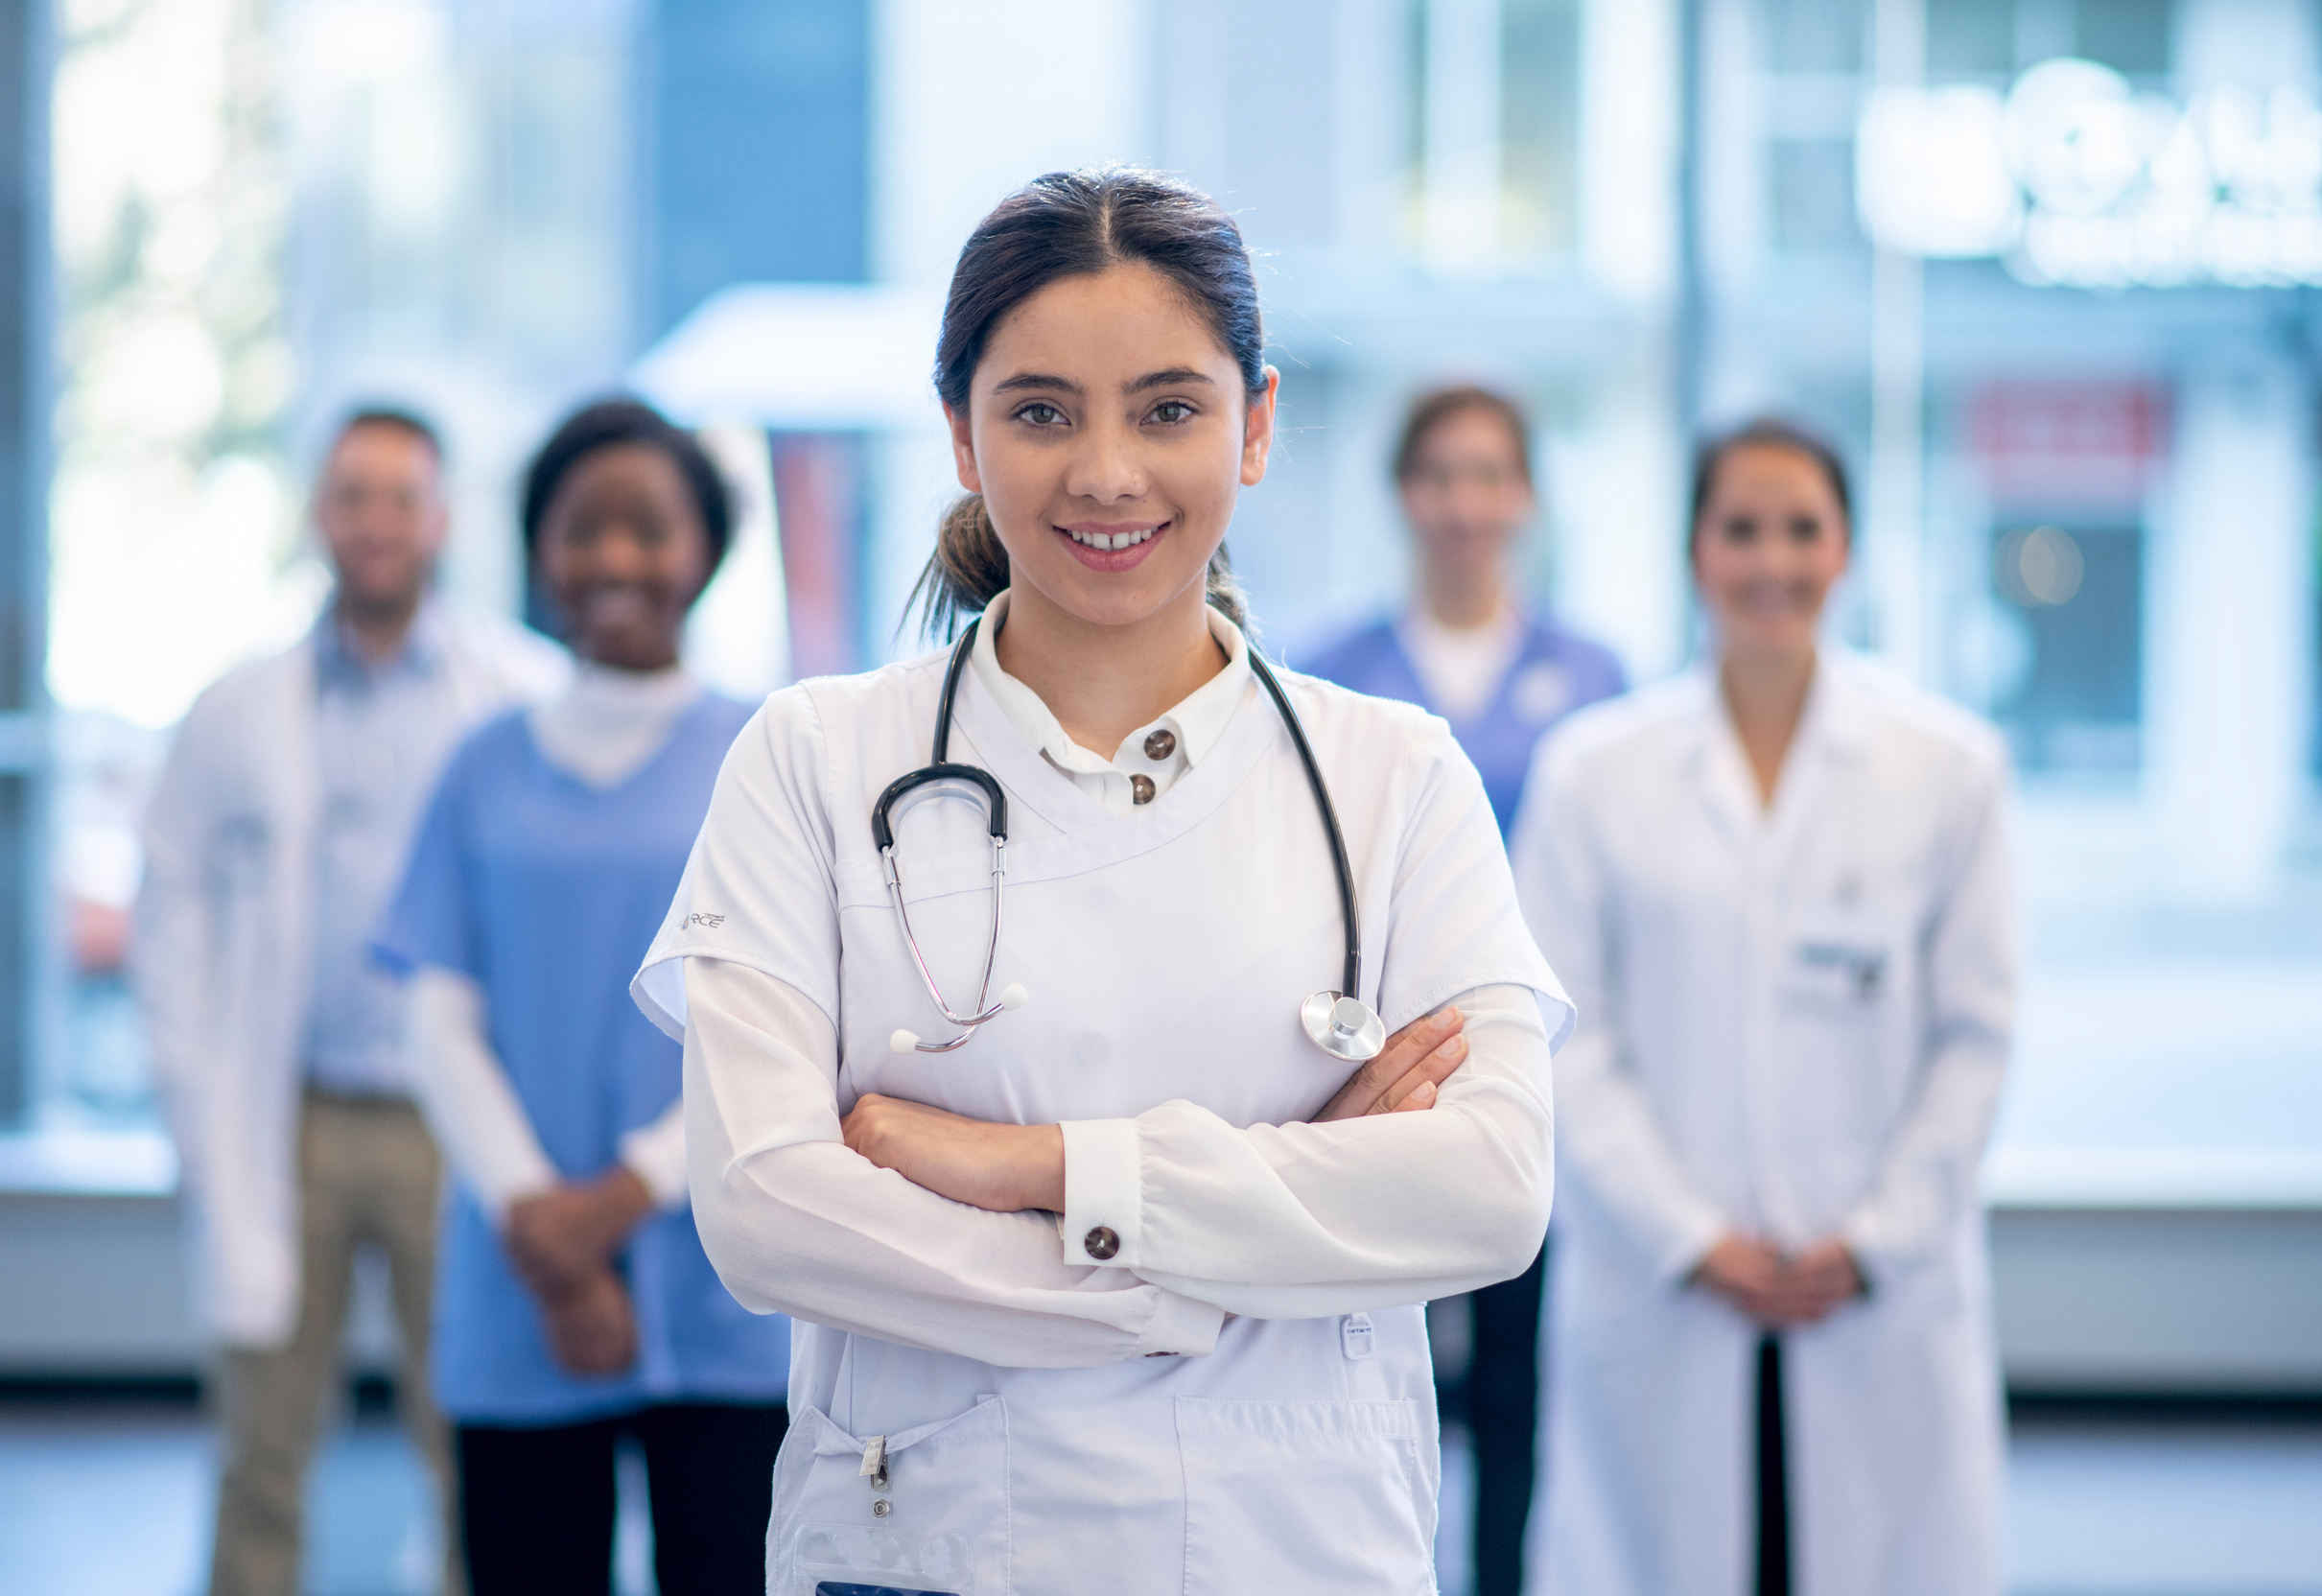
(1778, 888)
(1123, 1291)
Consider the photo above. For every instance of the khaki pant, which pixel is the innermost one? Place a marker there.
(367, 1174)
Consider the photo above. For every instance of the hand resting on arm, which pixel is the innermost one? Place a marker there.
(1011, 1168)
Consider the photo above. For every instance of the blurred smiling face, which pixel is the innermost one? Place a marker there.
(625, 554)
(1770, 543)
(1110, 433)
(1466, 494)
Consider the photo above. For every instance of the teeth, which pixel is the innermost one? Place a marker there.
(1108, 542)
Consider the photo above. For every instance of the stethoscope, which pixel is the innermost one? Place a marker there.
(1339, 1023)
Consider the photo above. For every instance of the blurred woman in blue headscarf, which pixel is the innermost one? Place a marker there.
(574, 1305)
(1467, 650)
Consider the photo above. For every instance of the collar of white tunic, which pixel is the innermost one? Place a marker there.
(1150, 759)
(605, 726)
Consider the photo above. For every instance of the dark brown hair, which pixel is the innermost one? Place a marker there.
(1071, 225)
(409, 422)
(1765, 431)
(1431, 409)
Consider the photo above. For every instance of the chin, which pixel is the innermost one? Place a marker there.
(1121, 601)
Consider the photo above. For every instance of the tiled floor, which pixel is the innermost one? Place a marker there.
(114, 1501)
(2117, 1508)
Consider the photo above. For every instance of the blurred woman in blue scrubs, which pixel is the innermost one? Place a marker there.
(1466, 649)
(573, 1303)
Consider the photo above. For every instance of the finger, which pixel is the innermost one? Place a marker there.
(1434, 1070)
(1370, 1082)
(1419, 1097)
(1409, 1045)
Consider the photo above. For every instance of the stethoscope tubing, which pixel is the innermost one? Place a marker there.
(1350, 981)
(941, 770)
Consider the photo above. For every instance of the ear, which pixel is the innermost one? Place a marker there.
(1258, 432)
(963, 449)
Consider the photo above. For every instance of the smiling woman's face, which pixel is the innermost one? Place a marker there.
(625, 554)
(1110, 433)
(1770, 543)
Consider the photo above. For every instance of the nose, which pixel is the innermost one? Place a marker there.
(1107, 467)
(620, 555)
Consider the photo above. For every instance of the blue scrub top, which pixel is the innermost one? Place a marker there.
(547, 892)
(1555, 673)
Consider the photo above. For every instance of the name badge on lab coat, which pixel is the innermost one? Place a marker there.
(1836, 976)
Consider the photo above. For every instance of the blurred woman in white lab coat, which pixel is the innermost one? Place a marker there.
(1777, 889)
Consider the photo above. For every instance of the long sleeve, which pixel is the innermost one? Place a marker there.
(799, 1223)
(1608, 1127)
(466, 1098)
(484, 1130)
(1301, 1220)
(1927, 1174)
(171, 961)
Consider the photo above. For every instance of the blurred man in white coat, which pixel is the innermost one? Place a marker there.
(278, 831)
(1778, 891)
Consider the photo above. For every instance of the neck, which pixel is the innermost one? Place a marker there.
(1766, 694)
(1103, 681)
(378, 627)
(1465, 598)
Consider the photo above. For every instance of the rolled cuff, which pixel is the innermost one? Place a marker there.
(1104, 1207)
(1691, 1241)
(1181, 1327)
(655, 1153)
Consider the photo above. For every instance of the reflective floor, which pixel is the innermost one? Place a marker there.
(112, 1499)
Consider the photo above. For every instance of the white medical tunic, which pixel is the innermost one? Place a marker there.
(1238, 1398)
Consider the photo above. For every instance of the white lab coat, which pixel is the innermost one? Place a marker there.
(1793, 1023)
(1061, 1421)
(222, 958)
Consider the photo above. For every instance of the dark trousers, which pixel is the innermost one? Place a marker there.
(536, 1505)
(1773, 1473)
(1503, 1403)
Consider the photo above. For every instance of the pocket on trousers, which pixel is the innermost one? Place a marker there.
(1306, 1496)
(940, 1524)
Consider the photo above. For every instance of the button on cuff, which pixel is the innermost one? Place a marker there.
(1103, 1193)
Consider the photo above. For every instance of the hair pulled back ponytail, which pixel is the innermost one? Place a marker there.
(1068, 224)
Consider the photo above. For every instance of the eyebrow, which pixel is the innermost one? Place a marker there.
(1171, 378)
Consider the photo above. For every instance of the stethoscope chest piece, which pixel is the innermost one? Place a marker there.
(1344, 1027)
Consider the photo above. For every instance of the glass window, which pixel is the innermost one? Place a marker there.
(2127, 36)
(1970, 39)
(1539, 74)
(1814, 195)
(1815, 36)
(2075, 596)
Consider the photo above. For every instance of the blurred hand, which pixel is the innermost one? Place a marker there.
(558, 1238)
(1776, 1289)
(591, 1327)
(1403, 1077)
(1822, 1277)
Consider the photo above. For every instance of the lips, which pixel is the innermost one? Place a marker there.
(1113, 548)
